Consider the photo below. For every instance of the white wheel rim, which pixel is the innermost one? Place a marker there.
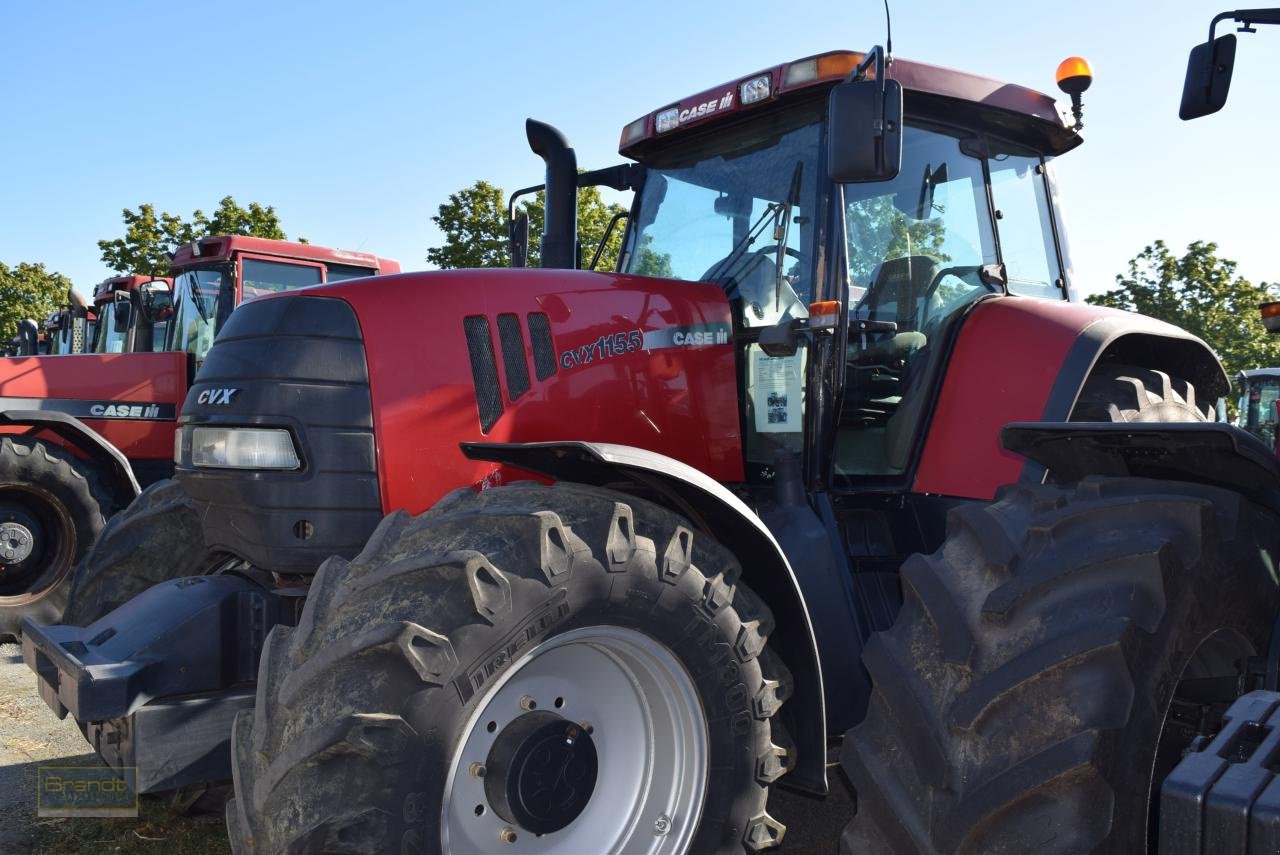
(650, 735)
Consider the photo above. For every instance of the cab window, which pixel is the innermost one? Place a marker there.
(1027, 246)
(259, 277)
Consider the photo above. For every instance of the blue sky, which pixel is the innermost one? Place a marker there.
(357, 120)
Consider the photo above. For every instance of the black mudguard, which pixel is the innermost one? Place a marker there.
(1220, 455)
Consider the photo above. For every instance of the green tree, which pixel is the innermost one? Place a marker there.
(474, 222)
(149, 238)
(28, 291)
(1201, 293)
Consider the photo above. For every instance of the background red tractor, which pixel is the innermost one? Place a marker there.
(81, 435)
(839, 280)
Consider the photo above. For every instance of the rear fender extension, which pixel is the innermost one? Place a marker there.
(1211, 453)
(723, 516)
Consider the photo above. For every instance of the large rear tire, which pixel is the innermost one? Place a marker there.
(52, 507)
(1034, 691)
(427, 696)
(1128, 393)
(155, 539)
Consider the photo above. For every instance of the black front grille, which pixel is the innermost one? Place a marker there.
(544, 352)
(297, 363)
(513, 358)
(484, 372)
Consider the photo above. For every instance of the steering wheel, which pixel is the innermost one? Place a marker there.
(744, 263)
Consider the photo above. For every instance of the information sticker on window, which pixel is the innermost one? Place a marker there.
(776, 387)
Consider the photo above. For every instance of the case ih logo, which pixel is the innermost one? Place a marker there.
(125, 411)
(696, 112)
(220, 397)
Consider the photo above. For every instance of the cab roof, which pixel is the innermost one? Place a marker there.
(221, 248)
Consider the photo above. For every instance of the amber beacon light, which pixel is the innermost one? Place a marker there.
(1074, 76)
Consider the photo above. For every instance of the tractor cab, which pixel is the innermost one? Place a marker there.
(212, 276)
(129, 310)
(1256, 407)
(738, 190)
(69, 329)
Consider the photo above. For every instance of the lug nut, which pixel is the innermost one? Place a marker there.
(477, 770)
(527, 703)
(586, 727)
(507, 835)
(662, 824)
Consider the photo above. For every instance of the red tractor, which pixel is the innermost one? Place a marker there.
(80, 436)
(569, 561)
(125, 323)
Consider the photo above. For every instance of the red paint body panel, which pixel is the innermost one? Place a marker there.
(681, 401)
(1007, 357)
(141, 378)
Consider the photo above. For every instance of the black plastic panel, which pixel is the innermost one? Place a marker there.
(1226, 797)
(296, 363)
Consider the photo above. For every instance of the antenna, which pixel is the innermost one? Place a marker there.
(888, 36)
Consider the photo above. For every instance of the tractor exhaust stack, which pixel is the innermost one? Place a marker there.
(560, 232)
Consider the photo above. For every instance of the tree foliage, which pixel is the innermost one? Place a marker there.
(1201, 293)
(149, 238)
(474, 222)
(28, 291)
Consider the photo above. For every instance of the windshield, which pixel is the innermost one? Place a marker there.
(737, 208)
(107, 339)
(196, 298)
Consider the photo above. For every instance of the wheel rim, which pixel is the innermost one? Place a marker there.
(1221, 654)
(35, 544)
(635, 720)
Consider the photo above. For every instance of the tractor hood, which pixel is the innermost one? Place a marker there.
(466, 356)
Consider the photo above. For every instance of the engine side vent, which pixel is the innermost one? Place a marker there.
(513, 359)
(544, 352)
(484, 370)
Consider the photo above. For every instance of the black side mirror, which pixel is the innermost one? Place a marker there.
(519, 241)
(1208, 77)
(864, 136)
(156, 299)
(120, 316)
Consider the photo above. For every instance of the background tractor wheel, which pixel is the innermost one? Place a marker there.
(52, 506)
(1050, 663)
(1127, 393)
(156, 538)
(560, 669)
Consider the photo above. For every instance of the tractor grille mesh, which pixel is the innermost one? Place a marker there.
(544, 353)
(484, 371)
(513, 359)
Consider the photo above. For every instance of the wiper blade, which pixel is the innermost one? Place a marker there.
(780, 231)
(722, 270)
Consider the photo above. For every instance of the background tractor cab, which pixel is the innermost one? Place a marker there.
(1256, 412)
(131, 309)
(68, 330)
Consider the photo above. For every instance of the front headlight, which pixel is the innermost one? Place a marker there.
(243, 448)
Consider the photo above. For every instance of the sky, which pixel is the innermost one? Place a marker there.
(357, 120)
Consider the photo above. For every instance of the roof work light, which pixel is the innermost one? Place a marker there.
(1074, 76)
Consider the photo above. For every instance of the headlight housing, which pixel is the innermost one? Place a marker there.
(243, 448)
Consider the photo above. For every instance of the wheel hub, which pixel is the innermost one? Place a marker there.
(541, 772)
(19, 533)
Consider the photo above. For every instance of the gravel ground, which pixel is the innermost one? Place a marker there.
(31, 736)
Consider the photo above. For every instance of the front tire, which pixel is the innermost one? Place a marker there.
(484, 632)
(1039, 680)
(155, 539)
